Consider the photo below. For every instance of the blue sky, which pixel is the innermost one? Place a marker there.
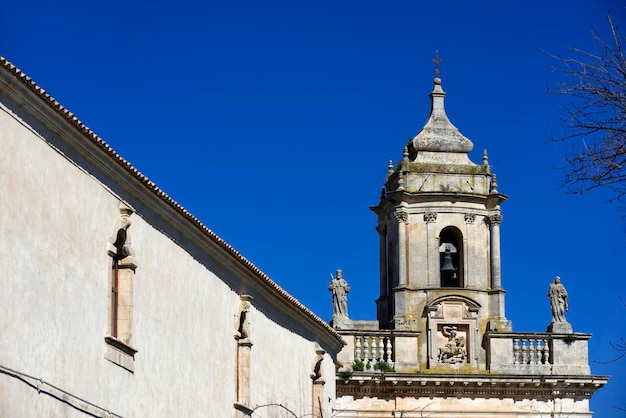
(273, 123)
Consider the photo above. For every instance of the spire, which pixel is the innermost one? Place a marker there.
(439, 141)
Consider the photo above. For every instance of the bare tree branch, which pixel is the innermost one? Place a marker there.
(595, 120)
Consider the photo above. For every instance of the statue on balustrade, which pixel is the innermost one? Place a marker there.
(339, 288)
(558, 300)
(454, 350)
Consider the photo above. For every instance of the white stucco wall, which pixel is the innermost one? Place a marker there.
(56, 219)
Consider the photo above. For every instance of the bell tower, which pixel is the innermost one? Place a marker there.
(439, 227)
(441, 344)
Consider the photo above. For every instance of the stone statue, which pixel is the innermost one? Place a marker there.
(339, 288)
(558, 300)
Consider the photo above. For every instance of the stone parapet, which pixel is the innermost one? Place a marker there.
(398, 349)
(538, 353)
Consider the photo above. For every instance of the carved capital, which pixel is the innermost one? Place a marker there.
(430, 217)
(470, 218)
(402, 216)
(495, 219)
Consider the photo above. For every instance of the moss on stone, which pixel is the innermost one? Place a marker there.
(445, 168)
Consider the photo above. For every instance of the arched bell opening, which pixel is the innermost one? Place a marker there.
(451, 257)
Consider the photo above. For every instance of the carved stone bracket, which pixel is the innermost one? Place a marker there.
(120, 246)
(436, 311)
(316, 370)
(470, 312)
(430, 217)
(242, 320)
(470, 218)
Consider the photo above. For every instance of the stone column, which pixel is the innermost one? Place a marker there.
(400, 295)
(382, 255)
(496, 278)
(402, 217)
(470, 218)
(383, 301)
(433, 249)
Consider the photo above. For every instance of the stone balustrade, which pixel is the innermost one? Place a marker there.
(372, 348)
(537, 353)
(533, 351)
(396, 348)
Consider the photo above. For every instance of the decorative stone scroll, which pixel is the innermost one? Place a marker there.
(121, 246)
(316, 371)
(242, 321)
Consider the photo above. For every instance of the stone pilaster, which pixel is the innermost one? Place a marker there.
(125, 271)
(317, 376)
(496, 277)
(433, 249)
(402, 217)
(382, 255)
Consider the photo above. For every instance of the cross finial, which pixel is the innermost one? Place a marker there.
(437, 61)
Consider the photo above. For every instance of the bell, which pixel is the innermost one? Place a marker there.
(447, 262)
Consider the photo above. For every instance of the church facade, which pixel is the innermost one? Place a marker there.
(117, 302)
(441, 345)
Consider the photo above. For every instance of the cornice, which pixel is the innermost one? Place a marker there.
(393, 385)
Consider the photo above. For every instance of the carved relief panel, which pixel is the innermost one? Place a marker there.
(452, 332)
